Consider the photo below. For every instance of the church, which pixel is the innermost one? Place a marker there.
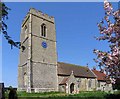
(38, 69)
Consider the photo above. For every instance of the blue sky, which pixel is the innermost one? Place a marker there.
(76, 26)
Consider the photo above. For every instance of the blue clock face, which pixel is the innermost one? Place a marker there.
(44, 44)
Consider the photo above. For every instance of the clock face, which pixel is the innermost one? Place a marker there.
(44, 44)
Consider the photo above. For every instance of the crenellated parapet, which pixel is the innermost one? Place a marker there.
(39, 14)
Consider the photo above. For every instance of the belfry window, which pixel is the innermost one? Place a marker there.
(43, 30)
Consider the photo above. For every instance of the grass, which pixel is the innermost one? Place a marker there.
(44, 94)
(59, 95)
(93, 95)
(24, 95)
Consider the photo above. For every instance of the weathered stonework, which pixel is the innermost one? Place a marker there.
(80, 84)
(37, 63)
(103, 86)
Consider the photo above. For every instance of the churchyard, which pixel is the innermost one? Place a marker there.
(40, 72)
(59, 95)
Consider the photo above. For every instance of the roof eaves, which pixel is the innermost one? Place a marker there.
(94, 73)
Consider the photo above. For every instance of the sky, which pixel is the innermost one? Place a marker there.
(76, 26)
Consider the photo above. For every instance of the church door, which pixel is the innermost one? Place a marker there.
(72, 88)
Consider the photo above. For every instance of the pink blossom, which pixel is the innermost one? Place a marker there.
(110, 61)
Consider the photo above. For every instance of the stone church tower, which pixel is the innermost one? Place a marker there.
(37, 70)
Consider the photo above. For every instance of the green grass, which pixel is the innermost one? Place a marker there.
(92, 95)
(44, 94)
(22, 95)
(59, 95)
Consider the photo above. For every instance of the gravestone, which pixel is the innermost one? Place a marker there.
(1, 90)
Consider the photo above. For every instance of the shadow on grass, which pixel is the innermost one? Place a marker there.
(113, 96)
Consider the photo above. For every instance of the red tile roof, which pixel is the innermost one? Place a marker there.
(100, 75)
(64, 81)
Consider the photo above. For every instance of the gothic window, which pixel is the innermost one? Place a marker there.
(90, 83)
(79, 81)
(43, 30)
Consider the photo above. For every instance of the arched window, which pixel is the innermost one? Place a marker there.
(43, 30)
(79, 82)
(90, 83)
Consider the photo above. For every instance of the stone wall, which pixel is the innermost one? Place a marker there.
(103, 86)
(23, 54)
(44, 77)
(92, 87)
(21, 71)
(81, 84)
(40, 54)
(44, 60)
(62, 88)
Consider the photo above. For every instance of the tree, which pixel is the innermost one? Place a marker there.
(109, 29)
(3, 26)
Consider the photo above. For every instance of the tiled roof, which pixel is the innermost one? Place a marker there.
(64, 81)
(66, 69)
(100, 75)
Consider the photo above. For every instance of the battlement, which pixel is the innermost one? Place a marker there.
(40, 14)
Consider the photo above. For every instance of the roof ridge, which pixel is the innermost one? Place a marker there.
(98, 71)
(73, 64)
